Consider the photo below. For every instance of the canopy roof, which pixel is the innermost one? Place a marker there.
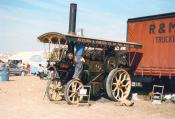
(55, 38)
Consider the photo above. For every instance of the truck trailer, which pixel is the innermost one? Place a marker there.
(156, 59)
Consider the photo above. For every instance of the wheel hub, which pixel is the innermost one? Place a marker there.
(119, 84)
(57, 89)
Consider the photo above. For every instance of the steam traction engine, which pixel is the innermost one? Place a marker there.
(106, 68)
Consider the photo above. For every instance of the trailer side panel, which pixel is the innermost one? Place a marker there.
(157, 35)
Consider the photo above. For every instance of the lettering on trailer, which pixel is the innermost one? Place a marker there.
(162, 29)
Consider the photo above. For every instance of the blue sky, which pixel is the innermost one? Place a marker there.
(22, 21)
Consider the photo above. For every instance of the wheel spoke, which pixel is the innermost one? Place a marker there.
(117, 93)
(72, 86)
(53, 95)
(71, 91)
(73, 98)
(72, 94)
(115, 89)
(51, 86)
(120, 76)
(121, 93)
(114, 84)
(124, 78)
(51, 92)
(116, 79)
(56, 94)
(79, 88)
(126, 85)
(75, 85)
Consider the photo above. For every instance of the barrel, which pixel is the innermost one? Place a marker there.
(4, 75)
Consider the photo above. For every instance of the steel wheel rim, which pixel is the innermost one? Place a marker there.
(73, 91)
(121, 85)
(55, 90)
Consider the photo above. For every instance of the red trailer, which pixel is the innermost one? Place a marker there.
(157, 35)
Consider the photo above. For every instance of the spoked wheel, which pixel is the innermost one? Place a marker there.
(110, 63)
(118, 84)
(55, 90)
(71, 92)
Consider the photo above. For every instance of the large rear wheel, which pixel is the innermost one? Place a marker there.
(118, 84)
(71, 92)
(55, 90)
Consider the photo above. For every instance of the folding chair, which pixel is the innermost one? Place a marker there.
(157, 93)
(84, 95)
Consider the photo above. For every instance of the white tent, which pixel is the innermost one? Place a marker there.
(33, 58)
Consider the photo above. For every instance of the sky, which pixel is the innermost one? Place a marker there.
(22, 21)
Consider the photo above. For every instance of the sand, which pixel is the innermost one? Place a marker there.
(22, 98)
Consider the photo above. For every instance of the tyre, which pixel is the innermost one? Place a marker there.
(118, 84)
(71, 92)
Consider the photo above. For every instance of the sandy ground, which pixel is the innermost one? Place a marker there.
(22, 98)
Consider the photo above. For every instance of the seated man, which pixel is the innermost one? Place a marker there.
(78, 61)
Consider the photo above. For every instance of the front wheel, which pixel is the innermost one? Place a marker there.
(71, 92)
(118, 84)
(54, 90)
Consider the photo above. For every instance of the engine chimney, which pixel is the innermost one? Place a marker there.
(72, 18)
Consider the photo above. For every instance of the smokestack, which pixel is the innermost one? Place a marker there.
(72, 18)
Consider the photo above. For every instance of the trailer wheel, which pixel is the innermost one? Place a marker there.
(71, 92)
(54, 90)
(118, 84)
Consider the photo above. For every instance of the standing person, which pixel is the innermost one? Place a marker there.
(41, 71)
(19, 65)
(28, 68)
(79, 60)
(1, 65)
(48, 64)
